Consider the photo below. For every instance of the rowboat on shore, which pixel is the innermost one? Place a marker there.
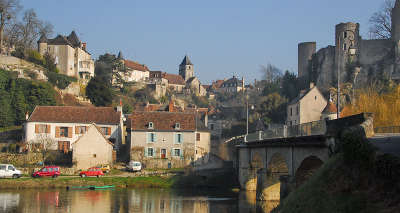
(90, 187)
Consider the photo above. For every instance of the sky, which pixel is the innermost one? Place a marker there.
(221, 37)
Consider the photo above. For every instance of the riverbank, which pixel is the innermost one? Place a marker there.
(222, 180)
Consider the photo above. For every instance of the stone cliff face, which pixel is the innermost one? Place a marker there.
(323, 67)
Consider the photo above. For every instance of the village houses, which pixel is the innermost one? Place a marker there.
(161, 139)
(64, 125)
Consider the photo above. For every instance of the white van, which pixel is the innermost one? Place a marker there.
(134, 166)
(8, 170)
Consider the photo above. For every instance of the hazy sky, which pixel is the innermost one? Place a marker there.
(222, 37)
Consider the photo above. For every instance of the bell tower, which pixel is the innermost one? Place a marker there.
(186, 68)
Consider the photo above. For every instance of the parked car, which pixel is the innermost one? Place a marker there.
(94, 171)
(8, 170)
(47, 171)
(134, 166)
(105, 168)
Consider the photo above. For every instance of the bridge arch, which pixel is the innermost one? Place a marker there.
(268, 184)
(307, 168)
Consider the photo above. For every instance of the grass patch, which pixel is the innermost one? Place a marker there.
(333, 189)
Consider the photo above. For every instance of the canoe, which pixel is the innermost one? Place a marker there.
(90, 187)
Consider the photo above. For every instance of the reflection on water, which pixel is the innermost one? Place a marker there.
(130, 200)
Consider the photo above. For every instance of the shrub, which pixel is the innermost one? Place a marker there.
(59, 80)
(357, 151)
(35, 57)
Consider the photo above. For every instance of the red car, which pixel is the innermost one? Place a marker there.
(47, 171)
(94, 171)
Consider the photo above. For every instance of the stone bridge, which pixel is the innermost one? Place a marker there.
(272, 167)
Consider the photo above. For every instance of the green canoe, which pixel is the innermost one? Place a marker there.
(91, 187)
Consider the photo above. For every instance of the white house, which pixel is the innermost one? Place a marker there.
(65, 124)
(306, 107)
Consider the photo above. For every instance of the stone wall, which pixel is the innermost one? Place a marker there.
(23, 67)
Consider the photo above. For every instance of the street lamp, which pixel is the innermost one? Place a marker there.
(247, 117)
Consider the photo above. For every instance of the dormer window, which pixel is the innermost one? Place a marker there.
(150, 125)
(177, 126)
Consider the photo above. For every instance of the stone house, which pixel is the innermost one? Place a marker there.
(70, 54)
(167, 139)
(232, 85)
(92, 149)
(194, 85)
(64, 125)
(131, 71)
(330, 111)
(306, 107)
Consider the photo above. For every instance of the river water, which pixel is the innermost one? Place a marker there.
(129, 200)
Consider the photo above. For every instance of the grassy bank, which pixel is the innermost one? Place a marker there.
(355, 180)
(218, 180)
(62, 182)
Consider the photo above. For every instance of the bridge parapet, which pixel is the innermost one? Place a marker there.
(306, 129)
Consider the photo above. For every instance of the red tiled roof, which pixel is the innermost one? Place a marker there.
(135, 66)
(173, 79)
(74, 114)
(330, 108)
(162, 121)
(217, 84)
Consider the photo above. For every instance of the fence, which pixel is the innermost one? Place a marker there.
(305, 129)
(387, 129)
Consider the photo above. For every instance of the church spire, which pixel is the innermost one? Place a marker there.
(186, 61)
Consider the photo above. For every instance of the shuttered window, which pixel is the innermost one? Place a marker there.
(178, 138)
(42, 128)
(151, 137)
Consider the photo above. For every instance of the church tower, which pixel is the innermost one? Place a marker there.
(186, 69)
(396, 21)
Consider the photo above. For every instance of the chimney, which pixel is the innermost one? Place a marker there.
(119, 108)
(171, 106)
(84, 46)
(312, 85)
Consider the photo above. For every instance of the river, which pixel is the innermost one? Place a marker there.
(129, 200)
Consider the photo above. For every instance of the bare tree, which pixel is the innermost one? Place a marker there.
(381, 21)
(42, 144)
(8, 11)
(271, 73)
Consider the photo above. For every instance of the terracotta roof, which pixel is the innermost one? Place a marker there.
(135, 66)
(173, 79)
(330, 108)
(207, 87)
(162, 121)
(74, 114)
(217, 84)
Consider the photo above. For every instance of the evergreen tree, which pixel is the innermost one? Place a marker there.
(20, 107)
(98, 92)
(6, 112)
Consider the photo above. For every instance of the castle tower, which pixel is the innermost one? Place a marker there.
(347, 38)
(396, 21)
(305, 52)
(120, 56)
(42, 45)
(186, 68)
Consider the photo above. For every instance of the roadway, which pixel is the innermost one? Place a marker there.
(387, 143)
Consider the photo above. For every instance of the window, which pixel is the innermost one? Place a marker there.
(94, 155)
(63, 146)
(197, 136)
(291, 111)
(176, 152)
(150, 152)
(344, 46)
(50, 169)
(212, 126)
(315, 97)
(344, 34)
(80, 130)
(178, 138)
(150, 125)
(106, 130)
(177, 126)
(297, 110)
(11, 168)
(63, 131)
(151, 137)
(3, 167)
(42, 128)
